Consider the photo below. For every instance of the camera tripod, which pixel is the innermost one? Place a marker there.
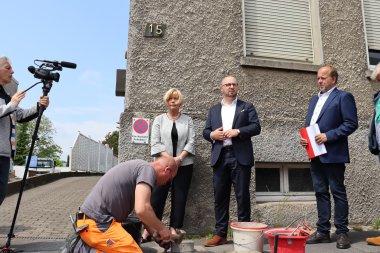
(47, 84)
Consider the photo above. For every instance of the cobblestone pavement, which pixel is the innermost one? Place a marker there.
(44, 211)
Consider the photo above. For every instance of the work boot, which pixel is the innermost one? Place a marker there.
(317, 237)
(216, 240)
(374, 241)
(342, 241)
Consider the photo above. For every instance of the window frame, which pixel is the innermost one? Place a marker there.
(316, 39)
(370, 67)
(284, 195)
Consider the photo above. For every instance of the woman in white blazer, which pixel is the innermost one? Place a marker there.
(173, 135)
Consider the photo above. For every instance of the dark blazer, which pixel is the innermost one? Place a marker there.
(338, 119)
(246, 120)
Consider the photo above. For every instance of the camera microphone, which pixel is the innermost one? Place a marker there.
(32, 69)
(65, 64)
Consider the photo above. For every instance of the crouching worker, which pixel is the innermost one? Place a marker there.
(124, 188)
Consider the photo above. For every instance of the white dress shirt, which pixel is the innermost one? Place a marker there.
(318, 107)
(228, 114)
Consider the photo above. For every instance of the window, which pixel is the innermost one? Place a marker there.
(372, 21)
(283, 30)
(374, 57)
(283, 182)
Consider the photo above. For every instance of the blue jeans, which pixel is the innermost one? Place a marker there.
(330, 177)
(5, 163)
(228, 171)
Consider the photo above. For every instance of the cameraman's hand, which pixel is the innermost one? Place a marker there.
(17, 97)
(44, 101)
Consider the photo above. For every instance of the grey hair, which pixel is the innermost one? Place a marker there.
(3, 59)
(376, 72)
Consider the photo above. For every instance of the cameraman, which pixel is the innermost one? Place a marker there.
(10, 113)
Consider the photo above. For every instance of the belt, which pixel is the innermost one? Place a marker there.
(227, 148)
(82, 216)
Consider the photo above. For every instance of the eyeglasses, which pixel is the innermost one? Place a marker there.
(230, 84)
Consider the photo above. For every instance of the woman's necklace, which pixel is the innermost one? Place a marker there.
(173, 118)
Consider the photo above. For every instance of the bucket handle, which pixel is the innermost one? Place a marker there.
(244, 245)
(275, 243)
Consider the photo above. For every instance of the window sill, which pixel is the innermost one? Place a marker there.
(277, 64)
(262, 197)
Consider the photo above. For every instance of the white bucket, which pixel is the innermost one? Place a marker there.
(248, 236)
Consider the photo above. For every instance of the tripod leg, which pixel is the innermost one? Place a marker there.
(23, 182)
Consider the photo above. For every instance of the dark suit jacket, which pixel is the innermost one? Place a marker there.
(246, 120)
(338, 119)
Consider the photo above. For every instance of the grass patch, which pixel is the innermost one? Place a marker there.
(209, 233)
(376, 223)
(229, 233)
(357, 228)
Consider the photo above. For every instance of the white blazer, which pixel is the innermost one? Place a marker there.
(161, 139)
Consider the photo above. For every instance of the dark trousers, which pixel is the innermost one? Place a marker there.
(4, 176)
(179, 189)
(228, 171)
(330, 176)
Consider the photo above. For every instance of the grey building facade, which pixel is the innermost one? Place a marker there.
(274, 49)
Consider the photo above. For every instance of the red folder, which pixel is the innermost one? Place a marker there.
(313, 149)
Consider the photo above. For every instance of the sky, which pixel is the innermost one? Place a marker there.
(92, 34)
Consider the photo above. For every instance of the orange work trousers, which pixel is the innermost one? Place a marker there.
(114, 240)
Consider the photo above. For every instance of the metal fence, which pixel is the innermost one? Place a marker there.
(90, 155)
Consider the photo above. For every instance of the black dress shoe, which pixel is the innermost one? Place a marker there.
(342, 241)
(318, 238)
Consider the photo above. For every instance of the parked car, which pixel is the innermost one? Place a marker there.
(44, 165)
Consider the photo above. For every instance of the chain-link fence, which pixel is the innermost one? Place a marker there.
(90, 155)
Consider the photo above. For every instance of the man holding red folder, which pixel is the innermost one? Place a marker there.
(335, 113)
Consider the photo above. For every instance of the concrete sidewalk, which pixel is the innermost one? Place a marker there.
(359, 245)
(43, 221)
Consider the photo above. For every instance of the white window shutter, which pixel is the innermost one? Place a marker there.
(279, 29)
(372, 23)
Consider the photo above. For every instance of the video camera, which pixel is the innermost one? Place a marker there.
(46, 68)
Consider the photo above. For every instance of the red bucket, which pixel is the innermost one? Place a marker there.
(286, 243)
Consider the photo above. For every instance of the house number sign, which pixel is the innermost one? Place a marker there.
(154, 30)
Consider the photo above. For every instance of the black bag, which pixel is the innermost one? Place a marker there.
(373, 146)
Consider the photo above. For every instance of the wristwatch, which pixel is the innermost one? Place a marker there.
(238, 131)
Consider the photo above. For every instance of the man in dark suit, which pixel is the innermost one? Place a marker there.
(335, 113)
(229, 127)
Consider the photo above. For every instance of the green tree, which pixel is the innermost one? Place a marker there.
(23, 143)
(58, 163)
(44, 145)
(112, 140)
